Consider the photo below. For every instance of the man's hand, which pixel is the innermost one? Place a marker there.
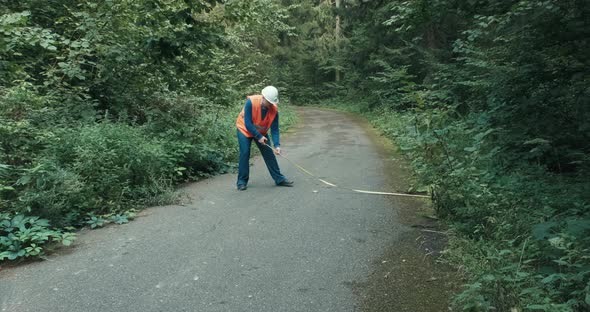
(263, 140)
(278, 151)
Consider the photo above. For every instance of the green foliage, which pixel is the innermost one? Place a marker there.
(106, 106)
(101, 168)
(521, 236)
(24, 237)
(489, 101)
(119, 218)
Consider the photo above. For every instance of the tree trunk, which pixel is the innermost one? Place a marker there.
(337, 37)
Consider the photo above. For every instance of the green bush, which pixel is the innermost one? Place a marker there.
(21, 114)
(24, 237)
(197, 136)
(104, 168)
(522, 236)
(489, 102)
(51, 192)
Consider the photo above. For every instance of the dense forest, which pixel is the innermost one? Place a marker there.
(106, 106)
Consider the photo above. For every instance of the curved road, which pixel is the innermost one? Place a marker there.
(266, 249)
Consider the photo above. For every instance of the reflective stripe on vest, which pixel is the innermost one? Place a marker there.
(262, 125)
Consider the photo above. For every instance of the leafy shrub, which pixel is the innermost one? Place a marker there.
(23, 237)
(197, 136)
(523, 236)
(94, 169)
(53, 193)
(21, 111)
(120, 218)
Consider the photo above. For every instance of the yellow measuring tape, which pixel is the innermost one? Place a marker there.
(341, 187)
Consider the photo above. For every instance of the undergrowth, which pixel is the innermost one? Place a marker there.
(519, 234)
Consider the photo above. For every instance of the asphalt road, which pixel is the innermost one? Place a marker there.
(265, 249)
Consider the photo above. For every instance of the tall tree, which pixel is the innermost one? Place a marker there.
(337, 35)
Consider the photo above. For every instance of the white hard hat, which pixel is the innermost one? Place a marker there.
(271, 94)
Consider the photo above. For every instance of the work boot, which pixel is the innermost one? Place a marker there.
(286, 182)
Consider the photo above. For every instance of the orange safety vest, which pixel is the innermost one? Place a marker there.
(262, 125)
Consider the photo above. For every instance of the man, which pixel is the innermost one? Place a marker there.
(258, 116)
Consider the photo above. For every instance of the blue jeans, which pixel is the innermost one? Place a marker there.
(269, 159)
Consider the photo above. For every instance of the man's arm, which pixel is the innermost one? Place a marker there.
(274, 131)
(248, 120)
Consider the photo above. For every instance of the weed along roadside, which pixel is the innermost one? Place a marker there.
(411, 274)
(463, 252)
